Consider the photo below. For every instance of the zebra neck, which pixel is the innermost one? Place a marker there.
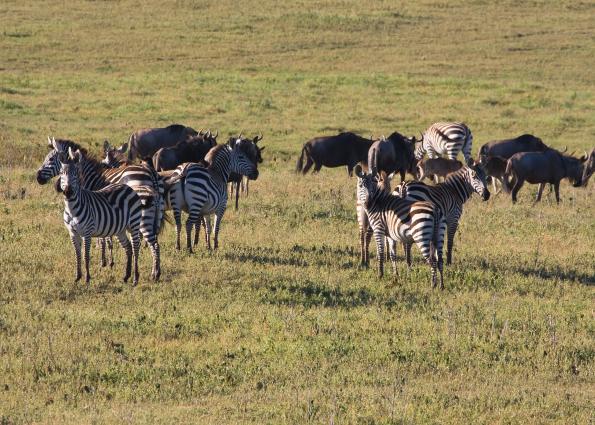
(221, 169)
(91, 177)
(458, 187)
(377, 201)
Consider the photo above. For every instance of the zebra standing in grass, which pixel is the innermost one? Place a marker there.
(95, 176)
(110, 211)
(448, 138)
(398, 219)
(202, 191)
(449, 196)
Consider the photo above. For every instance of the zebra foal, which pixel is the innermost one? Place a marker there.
(401, 220)
(450, 196)
(110, 211)
(448, 138)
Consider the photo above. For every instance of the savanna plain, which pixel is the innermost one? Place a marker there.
(280, 325)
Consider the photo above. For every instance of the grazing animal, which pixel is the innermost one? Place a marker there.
(450, 196)
(110, 211)
(192, 150)
(254, 153)
(114, 157)
(144, 143)
(401, 220)
(447, 138)
(437, 167)
(589, 166)
(95, 176)
(334, 151)
(495, 167)
(202, 191)
(395, 154)
(508, 147)
(550, 166)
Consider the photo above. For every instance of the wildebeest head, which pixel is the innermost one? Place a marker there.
(589, 167)
(574, 168)
(113, 156)
(51, 164)
(207, 136)
(241, 163)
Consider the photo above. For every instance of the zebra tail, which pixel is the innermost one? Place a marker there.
(508, 174)
(435, 233)
(300, 162)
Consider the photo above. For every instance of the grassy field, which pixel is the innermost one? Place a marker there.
(279, 325)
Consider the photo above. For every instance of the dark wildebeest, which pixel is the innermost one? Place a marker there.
(334, 151)
(144, 143)
(192, 150)
(495, 167)
(508, 147)
(392, 155)
(437, 167)
(589, 167)
(254, 153)
(540, 168)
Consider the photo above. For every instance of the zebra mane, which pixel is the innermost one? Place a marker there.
(213, 153)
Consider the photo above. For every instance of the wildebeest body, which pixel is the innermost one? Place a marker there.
(508, 147)
(391, 155)
(193, 150)
(144, 143)
(346, 149)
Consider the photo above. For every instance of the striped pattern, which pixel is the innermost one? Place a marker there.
(403, 221)
(95, 176)
(450, 196)
(202, 191)
(111, 211)
(446, 138)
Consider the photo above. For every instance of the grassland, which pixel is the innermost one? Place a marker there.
(279, 325)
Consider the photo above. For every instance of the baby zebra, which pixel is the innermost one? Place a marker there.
(110, 211)
(401, 220)
(449, 196)
(202, 191)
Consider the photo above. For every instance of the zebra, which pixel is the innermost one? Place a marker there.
(203, 191)
(402, 220)
(445, 138)
(450, 196)
(95, 176)
(110, 211)
(254, 153)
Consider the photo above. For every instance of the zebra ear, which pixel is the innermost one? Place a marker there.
(105, 145)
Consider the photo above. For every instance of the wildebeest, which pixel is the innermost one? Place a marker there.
(395, 154)
(437, 167)
(589, 167)
(495, 167)
(144, 143)
(334, 151)
(508, 147)
(193, 149)
(254, 153)
(550, 166)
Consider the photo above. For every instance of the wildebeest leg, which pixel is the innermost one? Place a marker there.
(517, 186)
(402, 173)
(557, 190)
(317, 167)
(539, 192)
(494, 185)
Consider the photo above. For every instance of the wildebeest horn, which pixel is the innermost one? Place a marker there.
(217, 134)
(200, 132)
(258, 138)
(565, 149)
(240, 135)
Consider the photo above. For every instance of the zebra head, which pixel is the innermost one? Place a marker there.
(476, 177)
(419, 147)
(69, 171)
(51, 164)
(370, 186)
(240, 163)
(113, 156)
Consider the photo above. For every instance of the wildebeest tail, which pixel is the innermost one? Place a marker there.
(300, 161)
(508, 174)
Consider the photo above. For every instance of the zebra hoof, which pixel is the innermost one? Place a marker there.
(78, 277)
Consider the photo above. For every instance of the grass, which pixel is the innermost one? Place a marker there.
(280, 325)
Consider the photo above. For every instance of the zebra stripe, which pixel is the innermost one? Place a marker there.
(449, 196)
(111, 211)
(446, 138)
(401, 220)
(202, 191)
(95, 176)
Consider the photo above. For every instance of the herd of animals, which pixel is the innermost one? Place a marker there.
(176, 168)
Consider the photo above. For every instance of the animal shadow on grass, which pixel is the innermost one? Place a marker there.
(555, 272)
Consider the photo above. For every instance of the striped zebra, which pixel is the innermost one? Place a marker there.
(202, 191)
(448, 138)
(402, 220)
(450, 196)
(110, 211)
(95, 176)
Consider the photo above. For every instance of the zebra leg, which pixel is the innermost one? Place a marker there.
(206, 220)
(217, 224)
(367, 246)
(451, 231)
(150, 238)
(197, 231)
(392, 245)
(125, 243)
(76, 243)
(192, 218)
(237, 194)
(135, 236)
(87, 250)
(407, 249)
(110, 248)
(439, 248)
(379, 237)
(178, 220)
(362, 245)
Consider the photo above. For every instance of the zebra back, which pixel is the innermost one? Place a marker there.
(446, 138)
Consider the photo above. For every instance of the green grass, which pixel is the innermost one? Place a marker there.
(280, 325)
